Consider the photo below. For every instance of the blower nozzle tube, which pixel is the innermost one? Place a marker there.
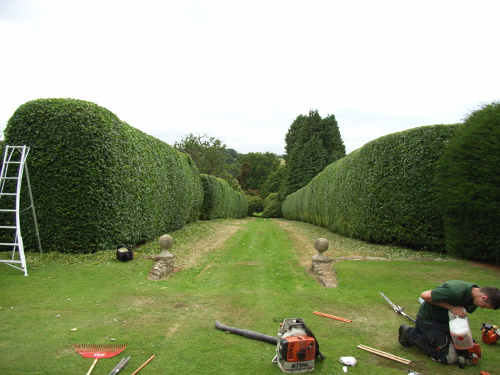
(246, 333)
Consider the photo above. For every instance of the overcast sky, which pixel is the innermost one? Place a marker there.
(242, 71)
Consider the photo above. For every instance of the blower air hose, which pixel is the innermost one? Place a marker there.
(246, 333)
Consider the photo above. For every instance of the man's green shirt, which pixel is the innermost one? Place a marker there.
(454, 292)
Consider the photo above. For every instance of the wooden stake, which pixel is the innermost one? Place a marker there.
(384, 354)
(332, 317)
(144, 364)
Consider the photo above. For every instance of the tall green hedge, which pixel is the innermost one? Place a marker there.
(98, 182)
(383, 192)
(468, 181)
(220, 200)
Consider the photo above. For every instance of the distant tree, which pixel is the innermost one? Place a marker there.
(332, 139)
(259, 166)
(307, 162)
(255, 204)
(294, 136)
(468, 187)
(272, 206)
(312, 143)
(232, 155)
(273, 182)
(245, 171)
(208, 153)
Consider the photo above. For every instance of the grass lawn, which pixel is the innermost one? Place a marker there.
(252, 280)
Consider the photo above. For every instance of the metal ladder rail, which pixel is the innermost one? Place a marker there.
(32, 205)
(18, 241)
(5, 173)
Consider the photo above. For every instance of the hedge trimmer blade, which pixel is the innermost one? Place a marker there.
(397, 309)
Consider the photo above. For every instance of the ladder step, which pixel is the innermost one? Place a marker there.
(7, 227)
(8, 193)
(8, 244)
(7, 210)
(9, 261)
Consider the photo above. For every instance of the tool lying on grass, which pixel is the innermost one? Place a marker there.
(99, 351)
(144, 364)
(397, 309)
(384, 354)
(296, 345)
(332, 317)
(490, 334)
(120, 366)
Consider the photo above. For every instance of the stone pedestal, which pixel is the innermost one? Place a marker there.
(321, 266)
(321, 245)
(164, 262)
(163, 268)
(166, 243)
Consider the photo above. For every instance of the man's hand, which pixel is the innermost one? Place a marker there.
(457, 311)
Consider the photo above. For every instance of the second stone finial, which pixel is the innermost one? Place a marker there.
(321, 245)
(166, 243)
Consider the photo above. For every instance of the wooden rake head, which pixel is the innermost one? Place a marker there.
(99, 350)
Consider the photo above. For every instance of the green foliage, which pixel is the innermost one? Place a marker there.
(468, 181)
(382, 193)
(209, 154)
(307, 162)
(98, 182)
(255, 204)
(256, 168)
(295, 136)
(312, 143)
(231, 181)
(272, 206)
(220, 200)
(273, 182)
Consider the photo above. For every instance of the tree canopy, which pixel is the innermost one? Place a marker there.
(312, 143)
(256, 168)
(208, 153)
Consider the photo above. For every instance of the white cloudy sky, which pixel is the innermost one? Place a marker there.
(242, 71)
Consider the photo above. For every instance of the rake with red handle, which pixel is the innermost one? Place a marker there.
(99, 351)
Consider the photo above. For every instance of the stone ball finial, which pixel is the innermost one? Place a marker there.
(166, 242)
(321, 245)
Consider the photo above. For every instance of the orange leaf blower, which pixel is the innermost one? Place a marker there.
(490, 333)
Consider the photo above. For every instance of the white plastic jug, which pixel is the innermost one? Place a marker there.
(460, 332)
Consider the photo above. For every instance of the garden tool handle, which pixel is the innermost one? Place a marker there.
(144, 364)
(92, 367)
(122, 365)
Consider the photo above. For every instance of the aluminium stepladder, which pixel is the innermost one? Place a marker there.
(11, 177)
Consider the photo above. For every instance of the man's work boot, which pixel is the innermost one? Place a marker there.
(403, 339)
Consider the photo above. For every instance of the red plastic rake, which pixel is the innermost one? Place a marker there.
(99, 351)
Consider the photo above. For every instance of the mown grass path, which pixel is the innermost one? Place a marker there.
(254, 276)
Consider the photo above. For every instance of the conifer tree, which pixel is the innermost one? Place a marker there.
(312, 143)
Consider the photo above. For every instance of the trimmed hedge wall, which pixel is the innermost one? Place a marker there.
(98, 182)
(381, 193)
(220, 200)
(468, 183)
